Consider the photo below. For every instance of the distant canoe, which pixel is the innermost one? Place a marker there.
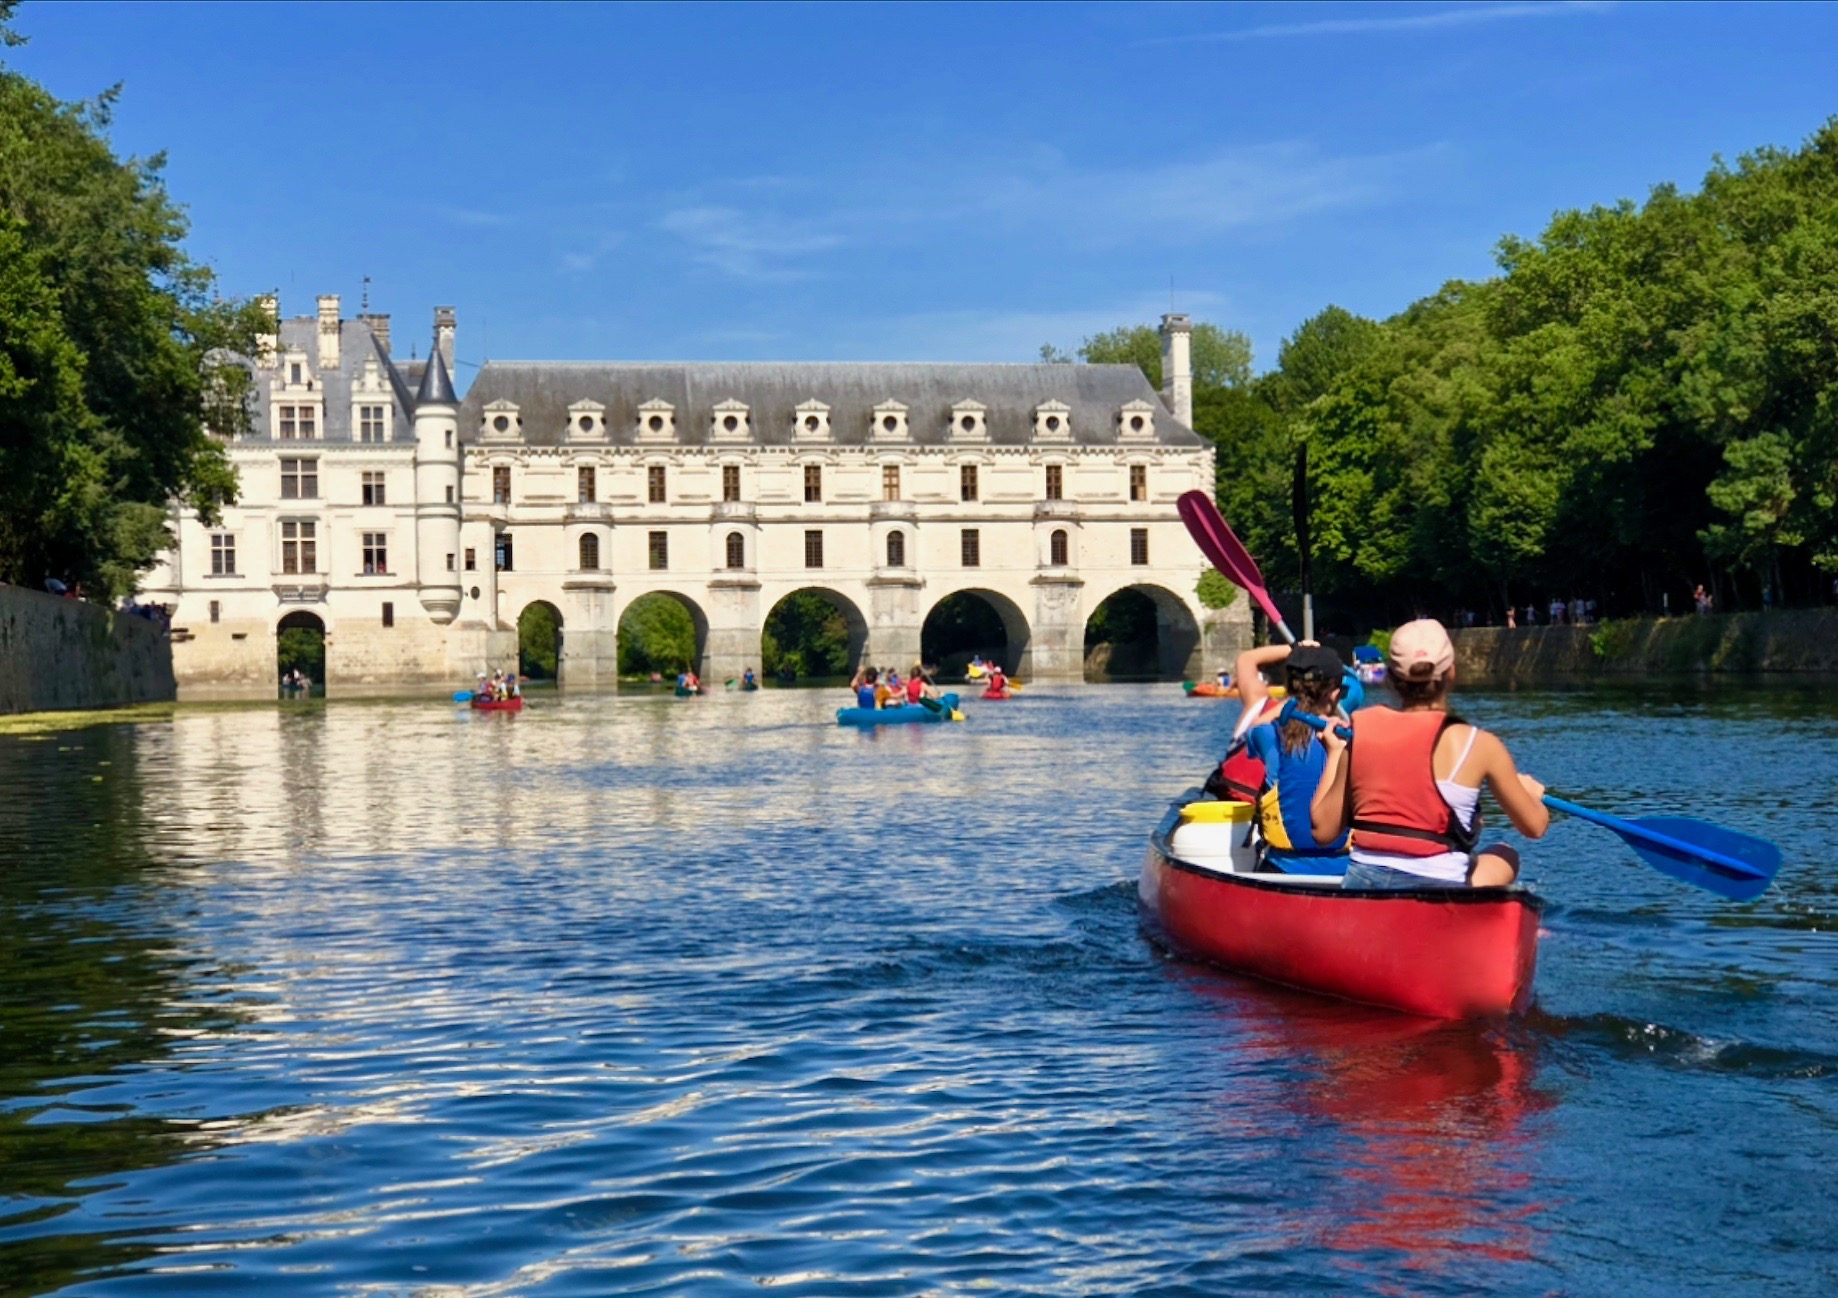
(498, 705)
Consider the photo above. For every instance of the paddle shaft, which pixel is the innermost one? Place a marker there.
(1665, 842)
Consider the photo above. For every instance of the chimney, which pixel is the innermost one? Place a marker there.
(1177, 367)
(446, 324)
(268, 342)
(328, 331)
(379, 325)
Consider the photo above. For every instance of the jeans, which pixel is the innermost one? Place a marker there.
(1360, 875)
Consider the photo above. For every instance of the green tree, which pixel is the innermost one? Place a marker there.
(1221, 357)
(109, 337)
(806, 634)
(539, 641)
(656, 634)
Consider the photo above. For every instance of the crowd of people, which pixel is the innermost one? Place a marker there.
(874, 688)
(497, 687)
(1387, 797)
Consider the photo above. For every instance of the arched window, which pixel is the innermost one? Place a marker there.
(1056, 548)
(590, 552)
(896, 549)
(737, 550)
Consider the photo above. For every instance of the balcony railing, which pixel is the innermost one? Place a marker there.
(311, 591)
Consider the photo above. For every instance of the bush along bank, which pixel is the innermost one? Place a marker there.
(1794, 641)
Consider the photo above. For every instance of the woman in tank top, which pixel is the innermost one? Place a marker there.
(1410, 789)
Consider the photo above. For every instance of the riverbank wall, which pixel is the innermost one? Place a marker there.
(1801, 640)
(59, 654)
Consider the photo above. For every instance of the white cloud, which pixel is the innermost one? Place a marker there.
(582, 260)
(750, 245)
(1394, 21)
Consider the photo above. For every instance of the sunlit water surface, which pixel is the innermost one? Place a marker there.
(649, 996)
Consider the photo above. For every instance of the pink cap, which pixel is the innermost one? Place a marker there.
(1421, 650)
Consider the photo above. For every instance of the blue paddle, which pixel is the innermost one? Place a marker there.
(1730, 864)
(462, 696)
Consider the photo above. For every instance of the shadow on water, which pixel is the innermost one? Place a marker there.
(97, 988)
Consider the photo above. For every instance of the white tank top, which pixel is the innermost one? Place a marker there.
(1451, 867)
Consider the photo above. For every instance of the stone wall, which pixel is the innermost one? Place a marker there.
(1804, 640)
(57, 654)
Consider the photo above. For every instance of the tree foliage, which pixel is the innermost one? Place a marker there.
(1645, 397)
(656, 634)
(807, 635)
(539, 641)
(108, 333)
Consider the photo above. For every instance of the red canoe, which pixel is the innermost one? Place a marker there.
(1442, 953)
(498, 705)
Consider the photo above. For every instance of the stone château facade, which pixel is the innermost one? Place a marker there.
(414, 526)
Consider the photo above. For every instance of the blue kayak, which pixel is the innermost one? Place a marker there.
(906, 713)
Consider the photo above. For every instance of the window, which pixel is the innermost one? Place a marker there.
(1056, 482)
(389, 613)
(449, 439)
(223, 554)
(890, 482)
(297, 423)
(730, 482)
(216, 610)
(813, 483)
(299, 546)
(1139, 545)
(449, 561)
(1139, 482)
(660, 551)
(585, 484)
(449, 495)
(293, 374)
(501, 552)
(737, 550)
(966, 482)
(472, 559)
(972, 548)
(813, 549)
(896, 549)
(289, 430)
(299, 479)
(501, 484)
(1056, 548)
(370, 429)
(590, 552)
(376, 553)
(655, 484)
(373, 489)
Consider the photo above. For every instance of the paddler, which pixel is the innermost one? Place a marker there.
(1292, 756)
(1409, 782)
(1240, 776)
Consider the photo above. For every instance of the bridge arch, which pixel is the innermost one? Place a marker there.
(971, 621)
(661, 631)
(1142, 631)
(299, 644)
(539, 639)
(813, 631)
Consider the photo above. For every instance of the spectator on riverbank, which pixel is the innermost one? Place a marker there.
(1701, 598)
(1512, 618)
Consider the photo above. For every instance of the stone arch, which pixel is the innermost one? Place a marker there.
(1165, 641)
(539, 640)
(797, 640)
(951, 633)
(299, 644)
(642, 641)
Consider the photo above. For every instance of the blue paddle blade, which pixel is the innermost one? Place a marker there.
(462, 696)
(1713, 853)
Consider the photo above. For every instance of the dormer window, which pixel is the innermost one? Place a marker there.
(1136, 422)
(969, 422)
(1052, 422)
(500, 422)
(887, 423)
(586, 422)
(730, 421)
(811, 422)
(656, 423)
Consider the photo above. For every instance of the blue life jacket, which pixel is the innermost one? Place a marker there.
(1283, 815)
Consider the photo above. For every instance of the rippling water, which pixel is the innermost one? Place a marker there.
(651, 996)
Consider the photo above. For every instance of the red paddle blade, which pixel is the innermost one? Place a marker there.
(1227, 553)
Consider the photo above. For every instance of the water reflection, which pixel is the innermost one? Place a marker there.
(1431, 1126)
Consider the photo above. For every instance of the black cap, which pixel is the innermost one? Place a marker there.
(1314, 660)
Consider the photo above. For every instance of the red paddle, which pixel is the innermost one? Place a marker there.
(1227, 553)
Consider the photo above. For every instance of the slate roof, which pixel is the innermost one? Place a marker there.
(356, 344)
(543, 391)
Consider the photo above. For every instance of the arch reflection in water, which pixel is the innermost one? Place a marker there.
(1430, 1127)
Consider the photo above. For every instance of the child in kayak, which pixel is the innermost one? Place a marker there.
(1292, 756)
(1409, 783)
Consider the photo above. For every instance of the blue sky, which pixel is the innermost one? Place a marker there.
(909, 182)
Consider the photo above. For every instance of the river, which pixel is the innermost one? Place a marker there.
(650, 996)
